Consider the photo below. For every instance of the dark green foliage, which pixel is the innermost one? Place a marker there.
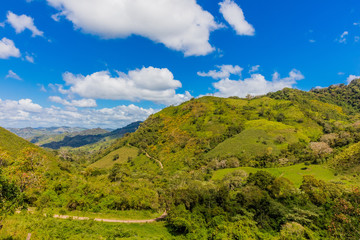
(10, 197)
(115, 157)
(261, 179)
(118, 172)
(345, 222)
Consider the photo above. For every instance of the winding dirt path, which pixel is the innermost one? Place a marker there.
(148, 156)
(104, 219)
(158, 161)
(112, 220)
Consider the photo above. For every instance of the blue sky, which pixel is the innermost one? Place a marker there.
(111, 62)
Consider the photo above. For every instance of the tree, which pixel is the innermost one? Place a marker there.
(262, 179)
(116, 157)
(118, 172)
(345, 222)
(29, 169)
(4, 158)
(10, 198)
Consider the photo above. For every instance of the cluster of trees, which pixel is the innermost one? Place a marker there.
(10, 197)
(260, 206)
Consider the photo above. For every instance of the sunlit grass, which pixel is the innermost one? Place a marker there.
(294, 173)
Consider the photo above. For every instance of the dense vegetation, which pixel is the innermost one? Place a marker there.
(281, 166)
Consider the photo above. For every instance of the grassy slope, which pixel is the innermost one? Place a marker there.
(124, 154)
(12, 143)
(259, 137)
(293, 173)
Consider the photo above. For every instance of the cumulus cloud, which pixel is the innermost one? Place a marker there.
(22, 106)
(234, 15)
(181, 25)
(152, 84)
(351, 77)
(22, 22)
(25, 113)
(11, 74)
(8, 49)
(83, 103)
(256, 84)
(224, 72)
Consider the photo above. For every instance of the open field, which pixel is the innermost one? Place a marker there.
(123, 154)
(294, 173)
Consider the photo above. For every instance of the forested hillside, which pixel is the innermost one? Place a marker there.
(280, 166)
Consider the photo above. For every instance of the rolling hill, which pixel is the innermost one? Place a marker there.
(233, 168)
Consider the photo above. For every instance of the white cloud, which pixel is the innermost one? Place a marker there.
(356, 38)
(256, 84)
(83, 103)
(224, 72)
(234, 15)
(254, 69)
(351, 77)
(13, 75)
(181, 25)
(312, 41)
(25, 113)
(341, 73)
(152, 84)
(8, 49)
(23, 105)
(343, 36)
(22, 22)
(29, 58)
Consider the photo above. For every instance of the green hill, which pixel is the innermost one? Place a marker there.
(12, 143)
(280, 166)
(197, 131)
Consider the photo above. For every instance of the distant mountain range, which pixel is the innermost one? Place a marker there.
(29, 133)
(57, 137)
